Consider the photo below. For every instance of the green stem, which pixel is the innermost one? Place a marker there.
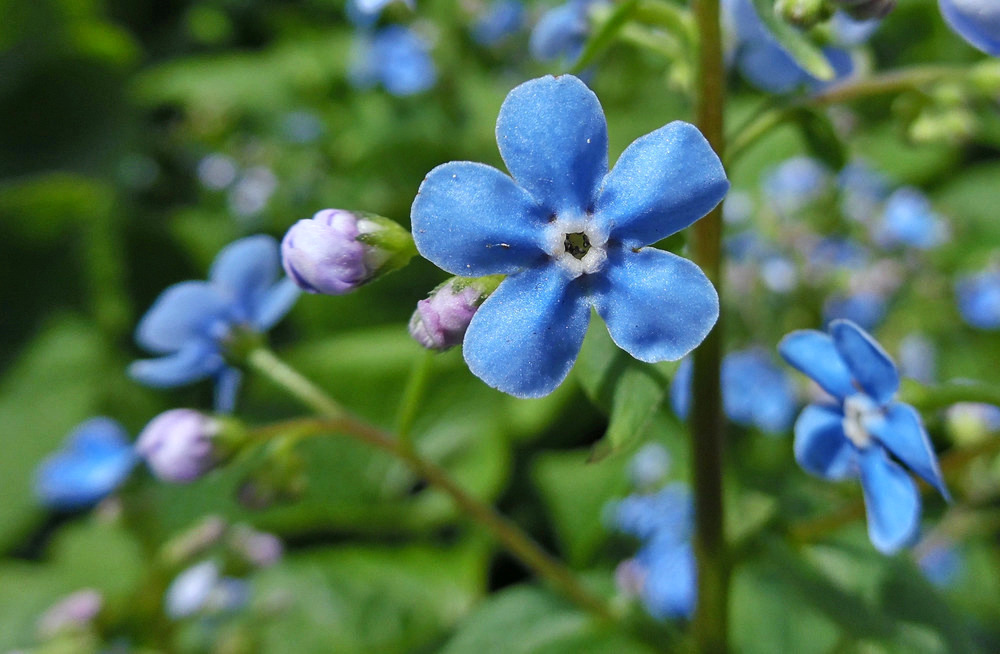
(711, 619)
(338, 420)
(931, 398)
(413, 395)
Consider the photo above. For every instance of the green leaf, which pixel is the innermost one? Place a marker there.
(795, 42)
(605, 34)
(527, 620)
(43, 207)
(821, 137)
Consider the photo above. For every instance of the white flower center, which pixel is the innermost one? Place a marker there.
(577, 244)
(857, 410)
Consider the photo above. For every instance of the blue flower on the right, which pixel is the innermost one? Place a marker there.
(396, 57)
(976, 21)
(979, 299)
(863, 429)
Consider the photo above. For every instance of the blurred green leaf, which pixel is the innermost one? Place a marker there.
(43, 207)
(821, 137)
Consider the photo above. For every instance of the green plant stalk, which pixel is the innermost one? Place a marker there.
(338, 420)
(710, 627)
(413, 395)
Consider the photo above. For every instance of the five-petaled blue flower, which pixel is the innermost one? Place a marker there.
(569, 235)
(976, 21)
(96, 458)
(190, 322)
(857, 434)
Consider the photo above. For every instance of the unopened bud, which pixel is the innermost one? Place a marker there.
(441, 320)
(195, 541)
(336, 251)
(72, 613)
(866, 9)
(259, 549)
(181, 445)
(802, 13)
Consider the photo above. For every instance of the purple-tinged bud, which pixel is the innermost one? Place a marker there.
(259, 549)
(336, 251)
(181, 445)
(441, 320)
(74, 612)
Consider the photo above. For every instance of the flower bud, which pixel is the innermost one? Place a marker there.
(259, 549)
(336, 251)
(202, 589)
(74, 612)
(802, 13)
(865, 9)
(440, 321)
(182, 445)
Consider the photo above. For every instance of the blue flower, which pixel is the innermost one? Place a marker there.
(909, 220)
(96, 458)
(569, 235)
(976, 21)
(866, 308)
(190, 322)
(562, 31)
(502, 18)
(863, 190)
(856, 435)
(796, 183)
(939, 560)
(767, 65)
(979, 299)
(663, 572)
(918, 358)
(397, 58)
(755, 392)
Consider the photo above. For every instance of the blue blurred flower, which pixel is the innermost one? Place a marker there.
(796, 183)
(396, 57)
(501, 19)
(202, 590)
(649, 467)
(866, 308)
(365, 13)
(836, 253)
(939, 560)
(755, 392)
(909, 220)
(190, 322)
(856, 435)
(96, 458)
(976, 21)
(663, 572)
(863, 190)
(918, 358)
(562, 31)
(767, 65)
(569, 235)
(979, 299)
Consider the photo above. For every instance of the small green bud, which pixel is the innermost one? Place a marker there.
(802, 13)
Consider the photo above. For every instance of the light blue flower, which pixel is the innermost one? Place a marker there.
(909, 220)
(396, 57)
(767, 65)
(755, 392)
(795, 184)
(979, 299)
(976, 21)
(940, 561)
(863, 191)
(96, 458)
(501, 19)
(837, 253)
(569, 235)
(918, 358)
(866, 308)
(856, 435)
(663, 572)
(190, 322)
(561, 32)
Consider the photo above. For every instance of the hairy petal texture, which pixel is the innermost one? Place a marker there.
(525, 337)
(902, 433)
(183, 312)
(663, 182)
(813, 353)
(657, 306)
(976, 21)
(891, 501)
(821, 447)
(870, 366)
(554, 140)
(472, 220)
(244, 272)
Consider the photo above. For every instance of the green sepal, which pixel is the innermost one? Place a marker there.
(795, 42)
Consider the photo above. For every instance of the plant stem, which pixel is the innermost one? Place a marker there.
(413, 395)
(336, 419)
(707, 427)
(930, 398)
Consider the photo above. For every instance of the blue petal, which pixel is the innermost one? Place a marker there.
(891, 501)
(663, 182)
(902, 433)
(227, 386)
(870, 366)
(680, 389)
(473, 220)
(670, 586)
(189, 364)
(560, 31)
(554, 140)
(98, 434)
(813, 353)
(821, 447)
(275, 304)
(96, 459)
(403, 61)
(658, 306)
(525, 337)
(976, 21)
(768, 67)
(183, 312)
(244, 272)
